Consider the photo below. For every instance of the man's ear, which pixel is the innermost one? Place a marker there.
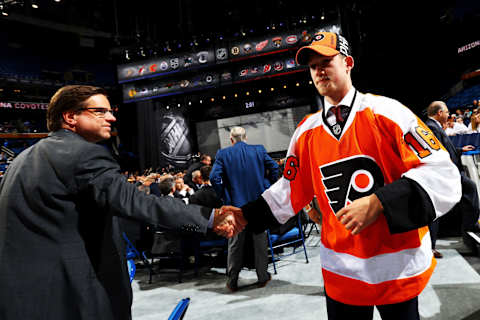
(69, 118)
(349, 62)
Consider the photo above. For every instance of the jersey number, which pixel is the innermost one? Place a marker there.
(427, 136)
(291, 168)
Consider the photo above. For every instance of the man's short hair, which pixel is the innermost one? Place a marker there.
(196, 173)
(68, 98)
(238, 134)
(205, 172)
(166, 186)
(204, 156)
(434, 107)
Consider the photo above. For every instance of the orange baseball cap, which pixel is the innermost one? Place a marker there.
(326, 44)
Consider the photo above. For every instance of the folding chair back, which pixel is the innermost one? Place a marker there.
(293, 237)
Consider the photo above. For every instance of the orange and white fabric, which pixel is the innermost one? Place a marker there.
(381, 142)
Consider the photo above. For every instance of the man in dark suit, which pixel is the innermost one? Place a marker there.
(61, 251)
(205, 160)
(438, 113)
(206, 195)
(240, 174)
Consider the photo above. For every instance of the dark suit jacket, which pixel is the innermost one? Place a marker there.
(206, 196)
(61, 252)
(455, 153)
(188, 176)
(242, 172)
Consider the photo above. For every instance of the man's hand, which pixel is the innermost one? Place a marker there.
(360, 213)
(468, 148)
(228, 221)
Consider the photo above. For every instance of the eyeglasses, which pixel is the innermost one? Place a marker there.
(99, 112)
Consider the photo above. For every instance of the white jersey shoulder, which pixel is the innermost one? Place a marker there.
(391, 109)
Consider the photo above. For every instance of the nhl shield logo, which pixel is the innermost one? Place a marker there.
(337, 129)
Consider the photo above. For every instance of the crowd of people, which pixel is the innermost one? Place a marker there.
(21, 126)
(464, 120)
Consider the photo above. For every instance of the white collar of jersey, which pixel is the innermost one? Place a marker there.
(346, 101)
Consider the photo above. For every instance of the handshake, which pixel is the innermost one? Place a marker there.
(228, 221)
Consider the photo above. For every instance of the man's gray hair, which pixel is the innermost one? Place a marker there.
(196, 173)
(434, 107)
(238, 134)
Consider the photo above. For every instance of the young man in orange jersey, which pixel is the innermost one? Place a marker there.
(380, 177)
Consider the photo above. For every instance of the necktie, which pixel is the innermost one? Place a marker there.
(340, 112)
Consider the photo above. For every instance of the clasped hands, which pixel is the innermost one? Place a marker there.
(228, 221)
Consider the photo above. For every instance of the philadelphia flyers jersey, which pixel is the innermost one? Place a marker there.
(380, 142)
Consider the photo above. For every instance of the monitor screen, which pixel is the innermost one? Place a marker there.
(272, 129)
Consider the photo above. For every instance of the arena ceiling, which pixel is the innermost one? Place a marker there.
(401, 49)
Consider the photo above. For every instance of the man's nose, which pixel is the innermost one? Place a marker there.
(110, 117)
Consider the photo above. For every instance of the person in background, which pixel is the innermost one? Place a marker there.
(240, 174)
(474, 126)
(459, 127)
(469, 203)
(196, 180)
(205, 160)
(182, 190)
(206, 194)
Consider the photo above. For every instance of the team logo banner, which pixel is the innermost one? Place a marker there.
(230, 51)
(155, 88)
(266, 68)
(143, 90)
(167, 65)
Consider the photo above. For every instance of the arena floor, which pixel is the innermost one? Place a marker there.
(296, 292)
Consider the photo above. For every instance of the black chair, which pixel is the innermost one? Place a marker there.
(167, 252)
(293, 237)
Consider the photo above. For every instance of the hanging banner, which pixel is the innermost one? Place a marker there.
(266, 68)
(222, 53)
(23, 105)
(164, 87)
(165, 65)
(254, 70)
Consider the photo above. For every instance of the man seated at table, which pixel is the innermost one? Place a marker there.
(438, 113)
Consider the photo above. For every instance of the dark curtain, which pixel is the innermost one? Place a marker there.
(164, 136)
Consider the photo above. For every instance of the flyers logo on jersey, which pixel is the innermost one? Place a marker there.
(349, 179)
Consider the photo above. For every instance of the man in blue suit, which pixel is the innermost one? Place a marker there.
(239, 175)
